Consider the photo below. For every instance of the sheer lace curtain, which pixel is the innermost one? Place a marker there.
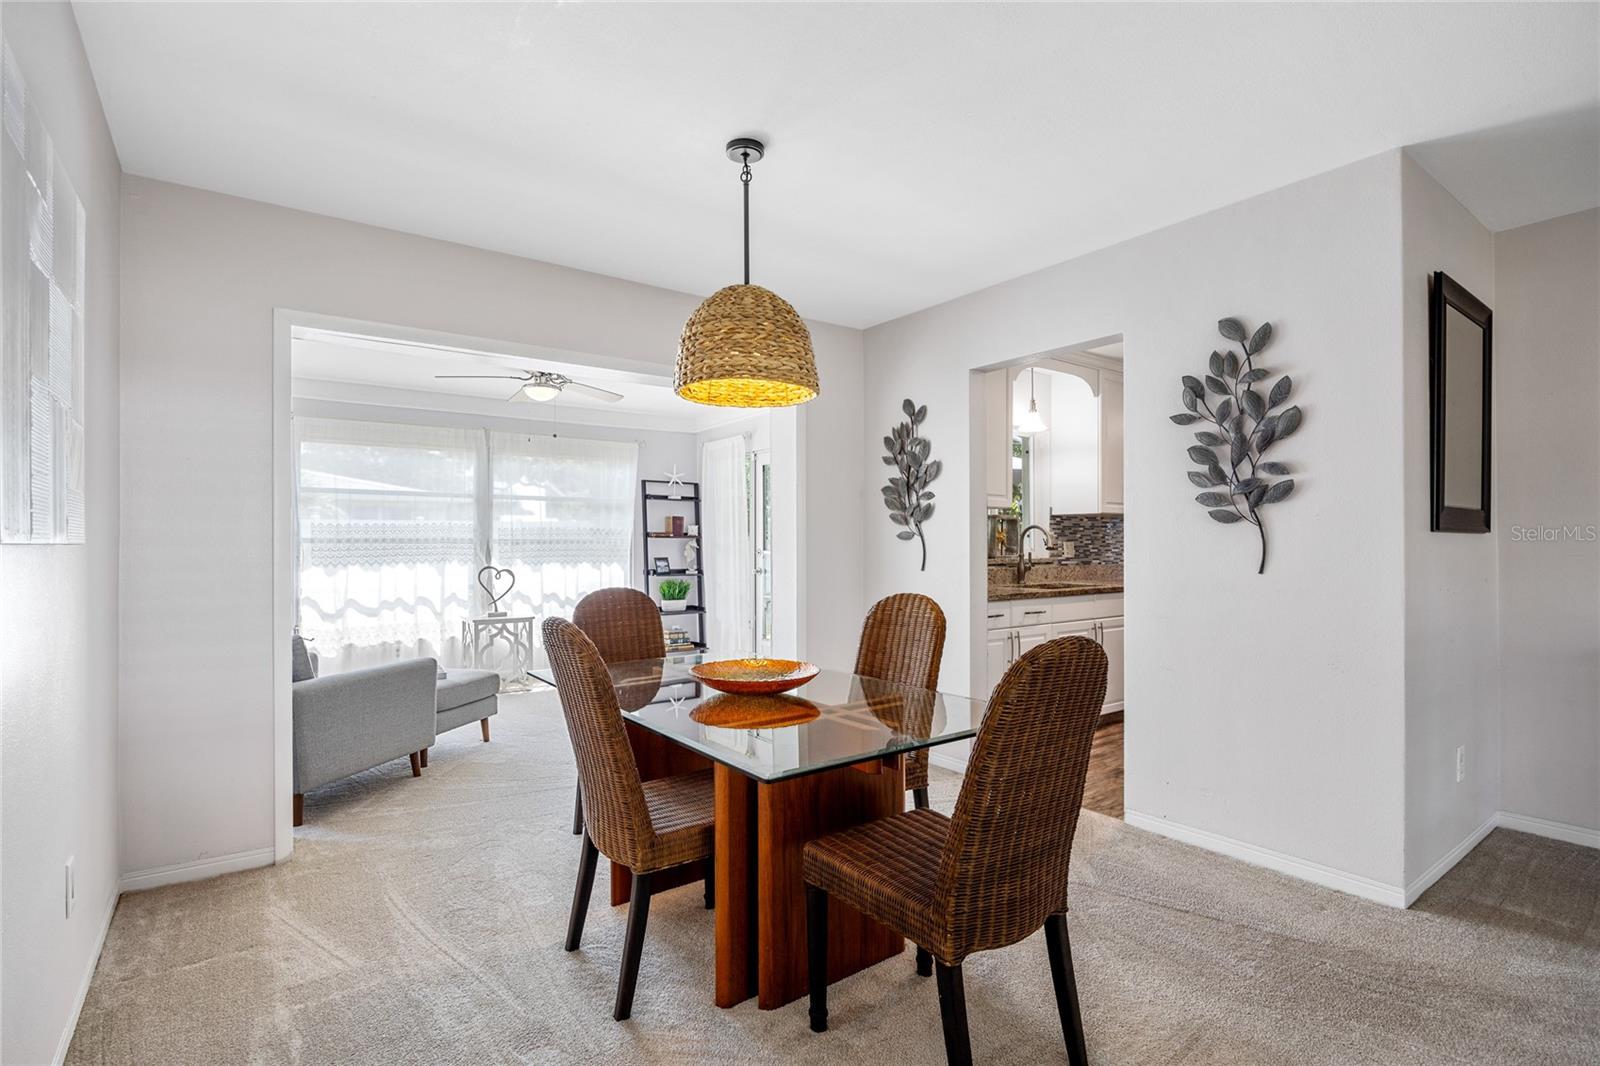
(728, 563)
(562, 518)
(392, 523)
(387, 540)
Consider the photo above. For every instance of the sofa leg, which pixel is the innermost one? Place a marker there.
(416, 764)
(299, 808)
(425, 758)
(485, 723)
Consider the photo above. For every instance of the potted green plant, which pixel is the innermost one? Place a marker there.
(674, 594)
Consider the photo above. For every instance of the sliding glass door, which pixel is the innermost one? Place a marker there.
(394, 521)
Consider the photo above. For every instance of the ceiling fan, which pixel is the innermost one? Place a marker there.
(542, 386)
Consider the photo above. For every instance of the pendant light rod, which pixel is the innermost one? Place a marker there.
(744, 178)
(744, 151)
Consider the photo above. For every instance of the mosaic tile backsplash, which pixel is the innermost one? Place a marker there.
(1096, 538)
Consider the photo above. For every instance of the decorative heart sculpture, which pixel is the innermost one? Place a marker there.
(495, 573)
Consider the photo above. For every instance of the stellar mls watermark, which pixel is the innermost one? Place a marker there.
(1552, 534)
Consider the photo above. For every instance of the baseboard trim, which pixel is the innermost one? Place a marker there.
(948, 762)
(1544, 827)
(156, 876)
(65, 1043)
(1304, 869)
(1448, 860)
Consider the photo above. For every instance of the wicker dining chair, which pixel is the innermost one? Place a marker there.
(647, 826)
(624, 625)
(996, 871)
(903, 642)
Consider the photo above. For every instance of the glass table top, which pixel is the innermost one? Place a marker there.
(835, 719)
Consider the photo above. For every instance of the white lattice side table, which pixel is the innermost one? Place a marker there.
(480, 638)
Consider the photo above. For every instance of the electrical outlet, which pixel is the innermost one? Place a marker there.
(1461, 764)
(1069, 549)
(71, 886)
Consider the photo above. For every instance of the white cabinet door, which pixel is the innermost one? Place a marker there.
(1111, 640)
(997, 437)
(1110, 442)
(1030, 637)
(1072, 629)
(1000, 646)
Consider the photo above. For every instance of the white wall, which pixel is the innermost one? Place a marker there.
(1451, 587)
(203, 274)
(1265, 713)
(1547, 387)
(58, 618)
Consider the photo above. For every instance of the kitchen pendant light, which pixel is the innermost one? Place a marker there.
(1031, 423)
(745, 346)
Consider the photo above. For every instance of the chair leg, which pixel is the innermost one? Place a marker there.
(577, 813)
(817, 955)
(484, 722)
(1060, 948)
(924, 963)
(425, 758)
(711, 883)
(580, 895)
(416, 764)
(953, 1012)
(919, 796)
(299, 808)
(633, 945)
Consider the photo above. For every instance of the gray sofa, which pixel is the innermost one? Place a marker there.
(349, 722)
(465, 696)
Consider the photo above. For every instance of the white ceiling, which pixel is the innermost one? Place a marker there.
(917, 151)
(369, 370)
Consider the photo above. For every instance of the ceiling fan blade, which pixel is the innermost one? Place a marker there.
(591, 390)
(487, 377)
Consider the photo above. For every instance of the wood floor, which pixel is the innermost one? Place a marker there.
(1102, 791)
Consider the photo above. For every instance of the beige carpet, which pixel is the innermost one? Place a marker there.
(422, 921)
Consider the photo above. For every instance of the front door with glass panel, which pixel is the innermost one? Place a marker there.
(761, 543)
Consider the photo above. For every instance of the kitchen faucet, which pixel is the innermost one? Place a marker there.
(1023, 558)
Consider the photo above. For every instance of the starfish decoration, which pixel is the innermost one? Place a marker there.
(674, 478)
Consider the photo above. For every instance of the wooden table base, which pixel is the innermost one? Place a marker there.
(760, 894)
(761, 916)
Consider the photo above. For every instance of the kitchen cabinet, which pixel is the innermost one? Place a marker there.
(1016, 626)
(1077, 462)
(1110, 442)
(997, 436)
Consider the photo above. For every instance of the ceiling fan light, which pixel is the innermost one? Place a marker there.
(745, 346)
(541, 391)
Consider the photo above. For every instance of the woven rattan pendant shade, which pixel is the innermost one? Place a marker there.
(746, 347)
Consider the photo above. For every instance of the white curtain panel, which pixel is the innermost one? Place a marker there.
(388, 543)
(726, 558)
(392, 523)
(562, 518)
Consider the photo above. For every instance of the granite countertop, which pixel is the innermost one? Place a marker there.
(998, 593)
(1049, 580)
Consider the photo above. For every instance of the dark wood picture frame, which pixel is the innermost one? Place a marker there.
(1447, 294)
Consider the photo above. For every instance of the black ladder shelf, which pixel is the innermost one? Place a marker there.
(658, 492)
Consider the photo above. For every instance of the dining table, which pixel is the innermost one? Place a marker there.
(786, 769)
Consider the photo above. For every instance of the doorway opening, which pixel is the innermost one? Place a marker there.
(1048, 439)
(407, 460)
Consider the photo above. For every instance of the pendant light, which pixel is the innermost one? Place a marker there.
(745, 346)
(1031, 423)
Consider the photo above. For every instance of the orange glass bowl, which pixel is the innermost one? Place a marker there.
(739, 711)
(754, 677)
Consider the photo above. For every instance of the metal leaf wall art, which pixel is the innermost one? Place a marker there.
(1234, 470)
(906, 495)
